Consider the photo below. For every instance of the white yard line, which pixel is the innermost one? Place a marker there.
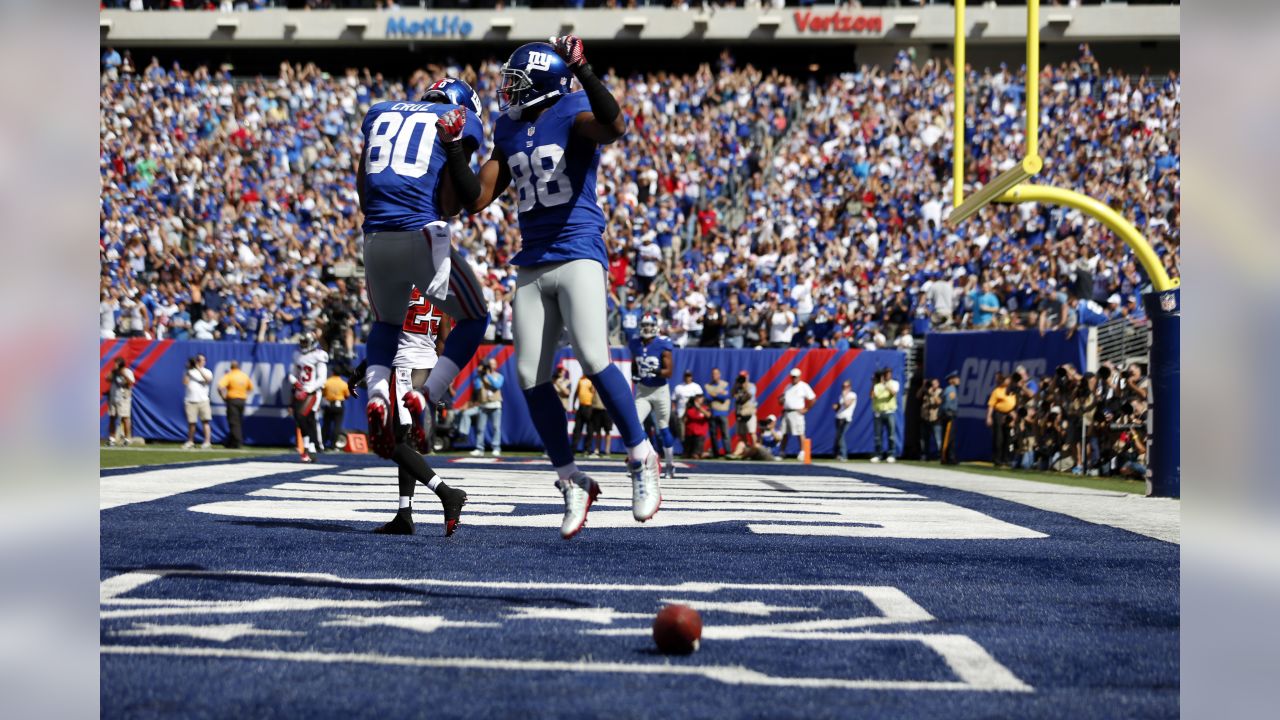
(148, 485)
(1159, 518)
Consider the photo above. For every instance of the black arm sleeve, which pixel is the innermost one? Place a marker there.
(603, 104)
(465, 183)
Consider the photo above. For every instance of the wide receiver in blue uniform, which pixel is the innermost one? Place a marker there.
(548, 145)
(410, 149)
(651, 363)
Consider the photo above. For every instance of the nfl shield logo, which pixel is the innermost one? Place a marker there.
(1168, 302)
(531, 131)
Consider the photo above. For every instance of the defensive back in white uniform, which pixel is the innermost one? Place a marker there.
(307, 373)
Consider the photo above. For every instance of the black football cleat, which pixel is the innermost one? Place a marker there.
(453, 499)
(401, 524)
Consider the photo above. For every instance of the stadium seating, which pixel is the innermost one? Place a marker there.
(228, 206)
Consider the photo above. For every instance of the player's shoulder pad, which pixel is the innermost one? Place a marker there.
(502, 125)
(574, 103)
(378, 108)
(474, 129)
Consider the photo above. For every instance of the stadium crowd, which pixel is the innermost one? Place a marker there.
(747, 208)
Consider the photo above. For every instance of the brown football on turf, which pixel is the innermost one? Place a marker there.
(677, 629)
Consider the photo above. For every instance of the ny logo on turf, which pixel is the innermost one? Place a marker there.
(539, 61)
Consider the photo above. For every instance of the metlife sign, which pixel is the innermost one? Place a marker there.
(439, 26)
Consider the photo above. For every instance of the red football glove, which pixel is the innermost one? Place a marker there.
(449, 125)
(298, 392)
(570, 48)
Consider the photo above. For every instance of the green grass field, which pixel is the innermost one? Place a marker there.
(170, 453)
(1135, 487)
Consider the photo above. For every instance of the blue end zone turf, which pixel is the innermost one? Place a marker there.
(823, 593)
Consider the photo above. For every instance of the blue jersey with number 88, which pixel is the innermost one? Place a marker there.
(403, 163)
(554, 174)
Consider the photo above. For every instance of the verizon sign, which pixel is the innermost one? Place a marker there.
(812, 22)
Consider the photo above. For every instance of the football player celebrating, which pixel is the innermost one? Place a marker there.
(548, 144)
(307, 373)
(650, 369)
(409, 148)
(408, 182)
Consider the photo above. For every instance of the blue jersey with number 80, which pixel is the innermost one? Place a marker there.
(554, 174)
(403, 163)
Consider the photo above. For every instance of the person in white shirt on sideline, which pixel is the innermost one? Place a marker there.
(120, 403)
(844, 417)
(796, 401)
(683, 393)
(198, 379)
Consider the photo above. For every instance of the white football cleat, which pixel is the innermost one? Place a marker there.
(875, 458)
(646, 496)
(891, 459)
(577, 502)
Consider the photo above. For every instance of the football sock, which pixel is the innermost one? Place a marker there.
(669, 454)
(615, 393)
(412, 463)
(549, 420)
(565, 472)
(639, 452)
(438, 381)
(436, 485)
(377, 379)
(407, 484)
(380, 348)
(464, 340)
(406, 501)
(668, 440)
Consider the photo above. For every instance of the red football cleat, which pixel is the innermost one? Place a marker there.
(417, 405)
(382, 439)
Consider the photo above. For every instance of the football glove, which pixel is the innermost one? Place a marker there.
(449, 125)
(571, 49)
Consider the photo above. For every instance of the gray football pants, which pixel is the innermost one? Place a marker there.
(656, 400)
(559, 296)
(394, 262)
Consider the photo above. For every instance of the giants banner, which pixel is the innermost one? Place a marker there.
(159, 366)
(978, 356)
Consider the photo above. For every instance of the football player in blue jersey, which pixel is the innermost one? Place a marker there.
(651, 365)
(409, 181)
(547, 143)
(650, 369)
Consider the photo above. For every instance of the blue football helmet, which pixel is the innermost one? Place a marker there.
(532, 75)
(454, 92)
